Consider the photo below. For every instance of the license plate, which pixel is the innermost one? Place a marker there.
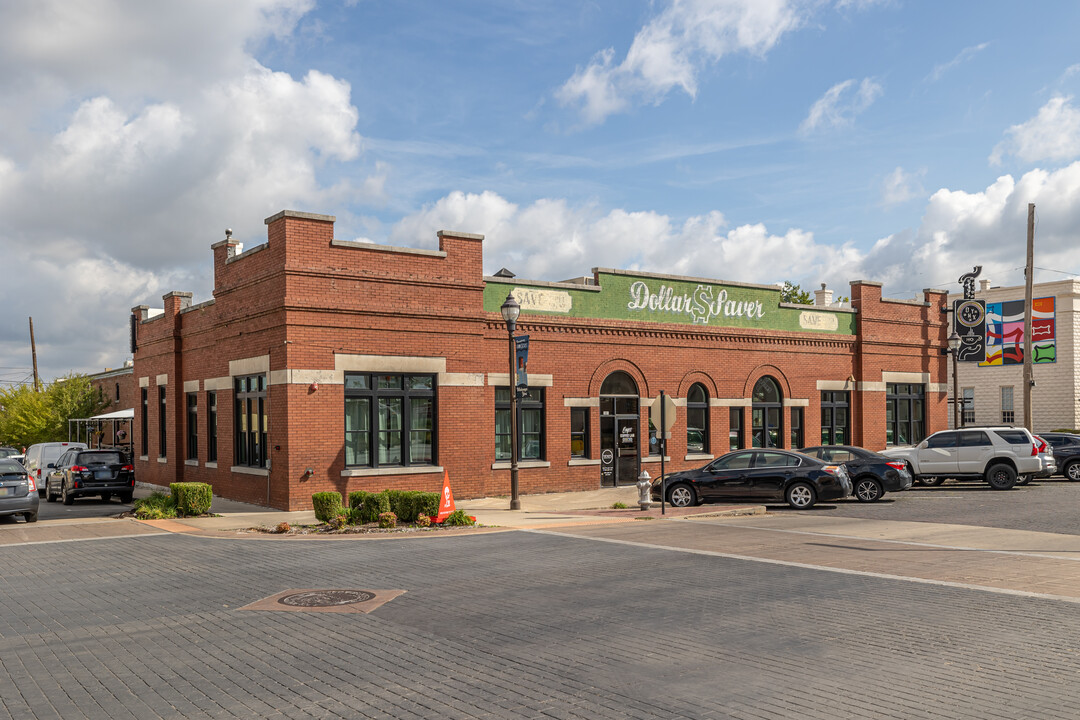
(5, 491)
(103, 474)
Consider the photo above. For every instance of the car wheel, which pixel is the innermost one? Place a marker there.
(49, 497)
(800, 496)
(1072, 470)
(1001, 476)
(106, 497)
(126, 497)
(67, 497)
(681, 495)
(1023, 479)
(868, 490)
(931, 481)
(30, 517)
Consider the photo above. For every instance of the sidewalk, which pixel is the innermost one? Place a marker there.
(537, 511)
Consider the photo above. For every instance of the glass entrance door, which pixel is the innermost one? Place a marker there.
(620, 426)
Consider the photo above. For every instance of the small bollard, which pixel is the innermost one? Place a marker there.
(644, 487)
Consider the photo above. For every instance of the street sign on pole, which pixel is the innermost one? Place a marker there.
(662, 414)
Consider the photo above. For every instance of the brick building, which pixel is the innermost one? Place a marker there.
(323, 364)
(992, 391)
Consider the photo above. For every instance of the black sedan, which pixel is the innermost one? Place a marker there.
(872, 474)
(1066, 452)
(799, 480)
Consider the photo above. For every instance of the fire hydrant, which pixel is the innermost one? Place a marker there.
(644, 487)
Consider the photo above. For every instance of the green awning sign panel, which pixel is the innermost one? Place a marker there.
(667, 299)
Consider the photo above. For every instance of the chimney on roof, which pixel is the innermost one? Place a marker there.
(504, 273)
(984, 285)
(823, 297)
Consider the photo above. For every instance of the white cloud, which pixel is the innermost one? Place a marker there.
(900, 186)
(671, 49)
(1053, 134)
(962, 57)
(840, 104)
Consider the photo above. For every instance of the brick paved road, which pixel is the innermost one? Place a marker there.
(510, 625)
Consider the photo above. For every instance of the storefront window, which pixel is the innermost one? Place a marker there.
(250, 421)
(389, 420)
(796, 427)
(765, 416)
(697, 419)
(579, 432)
(904, 414)
(530, 424)
(735, 425)
(835, 418)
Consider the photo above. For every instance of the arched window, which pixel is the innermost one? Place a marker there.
(765, 423)
(697, 419)
(619, 383)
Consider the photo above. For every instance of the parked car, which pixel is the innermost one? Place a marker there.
(6, 452)
(39, 456)
(1066, 449)
(799, 480)
(872, 474)
(78, 473)
(1046, 455)
(18, 493)
(997, 455)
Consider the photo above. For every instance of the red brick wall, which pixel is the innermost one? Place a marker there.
(303, 300)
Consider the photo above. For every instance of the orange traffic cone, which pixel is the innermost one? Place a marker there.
(446, 504)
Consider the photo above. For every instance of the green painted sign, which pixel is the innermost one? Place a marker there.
(666, 299)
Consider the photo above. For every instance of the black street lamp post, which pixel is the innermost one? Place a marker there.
(954, 347)
(510, 310)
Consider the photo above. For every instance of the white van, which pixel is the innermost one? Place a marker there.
(39, 456)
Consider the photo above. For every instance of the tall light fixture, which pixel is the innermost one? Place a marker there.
(510, 310)
(954, 348)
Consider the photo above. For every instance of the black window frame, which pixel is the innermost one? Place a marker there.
(831, 402)
(250, 400)
(763, 408)
(581, 435)
(211, 426)
(407, 394)
(163, 407)
(701, 406)
(797, 417)
(735, 428)
(898, 395)
(532, 399)
(144, 423)
(192, 404)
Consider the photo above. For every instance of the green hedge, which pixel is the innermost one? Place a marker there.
(191, 498)
(407, 505)
(327, 506)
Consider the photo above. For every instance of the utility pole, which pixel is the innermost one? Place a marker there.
(33, 352)
(1029, 375)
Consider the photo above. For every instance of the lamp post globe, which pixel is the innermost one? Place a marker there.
(954, 340)
(510, 310)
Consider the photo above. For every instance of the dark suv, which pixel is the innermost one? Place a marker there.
(80, 472)
(1066, 451)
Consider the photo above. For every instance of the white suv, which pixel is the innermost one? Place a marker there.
(997, 455)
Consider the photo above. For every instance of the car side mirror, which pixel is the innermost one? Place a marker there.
(51, 465)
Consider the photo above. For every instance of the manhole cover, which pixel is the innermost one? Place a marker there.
(326, 598)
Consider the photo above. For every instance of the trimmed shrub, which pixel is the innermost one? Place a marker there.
(374, 505)
(327, 506)
(191, 498)
(353, 516)
(407, 505)
(428, 503)
(458, 517)
(387, 520)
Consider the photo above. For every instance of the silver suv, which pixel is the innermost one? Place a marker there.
(997, 455)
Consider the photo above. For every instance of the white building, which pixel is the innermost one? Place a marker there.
(992, 392)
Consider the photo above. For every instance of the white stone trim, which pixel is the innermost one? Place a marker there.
(699, 456)
(654, 459)
(373, 472)
(389, 363)
(220, 383)
(386, 248)
(211, 465)
(250, 366)
(730, 402)
(905, 377)
(447, 379)
(504, 465)
(796, 402)
(244, 470)
(144, 382)
(163, 460)
(144, 458)
(162, 379)
(535, 380)
(575, 462)
(581, 402)
(835, 385)
(937, 387)
(191, 386)
(679, 402)
(871, 386)
(191, 463)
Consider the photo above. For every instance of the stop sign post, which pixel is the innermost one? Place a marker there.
(662, 415)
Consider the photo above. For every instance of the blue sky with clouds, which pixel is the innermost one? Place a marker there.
(748, 140)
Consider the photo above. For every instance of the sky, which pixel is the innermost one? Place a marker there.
(761, 141)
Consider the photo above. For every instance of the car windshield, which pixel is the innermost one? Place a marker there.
(9, 467)
(6, 452)
(99, 458)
